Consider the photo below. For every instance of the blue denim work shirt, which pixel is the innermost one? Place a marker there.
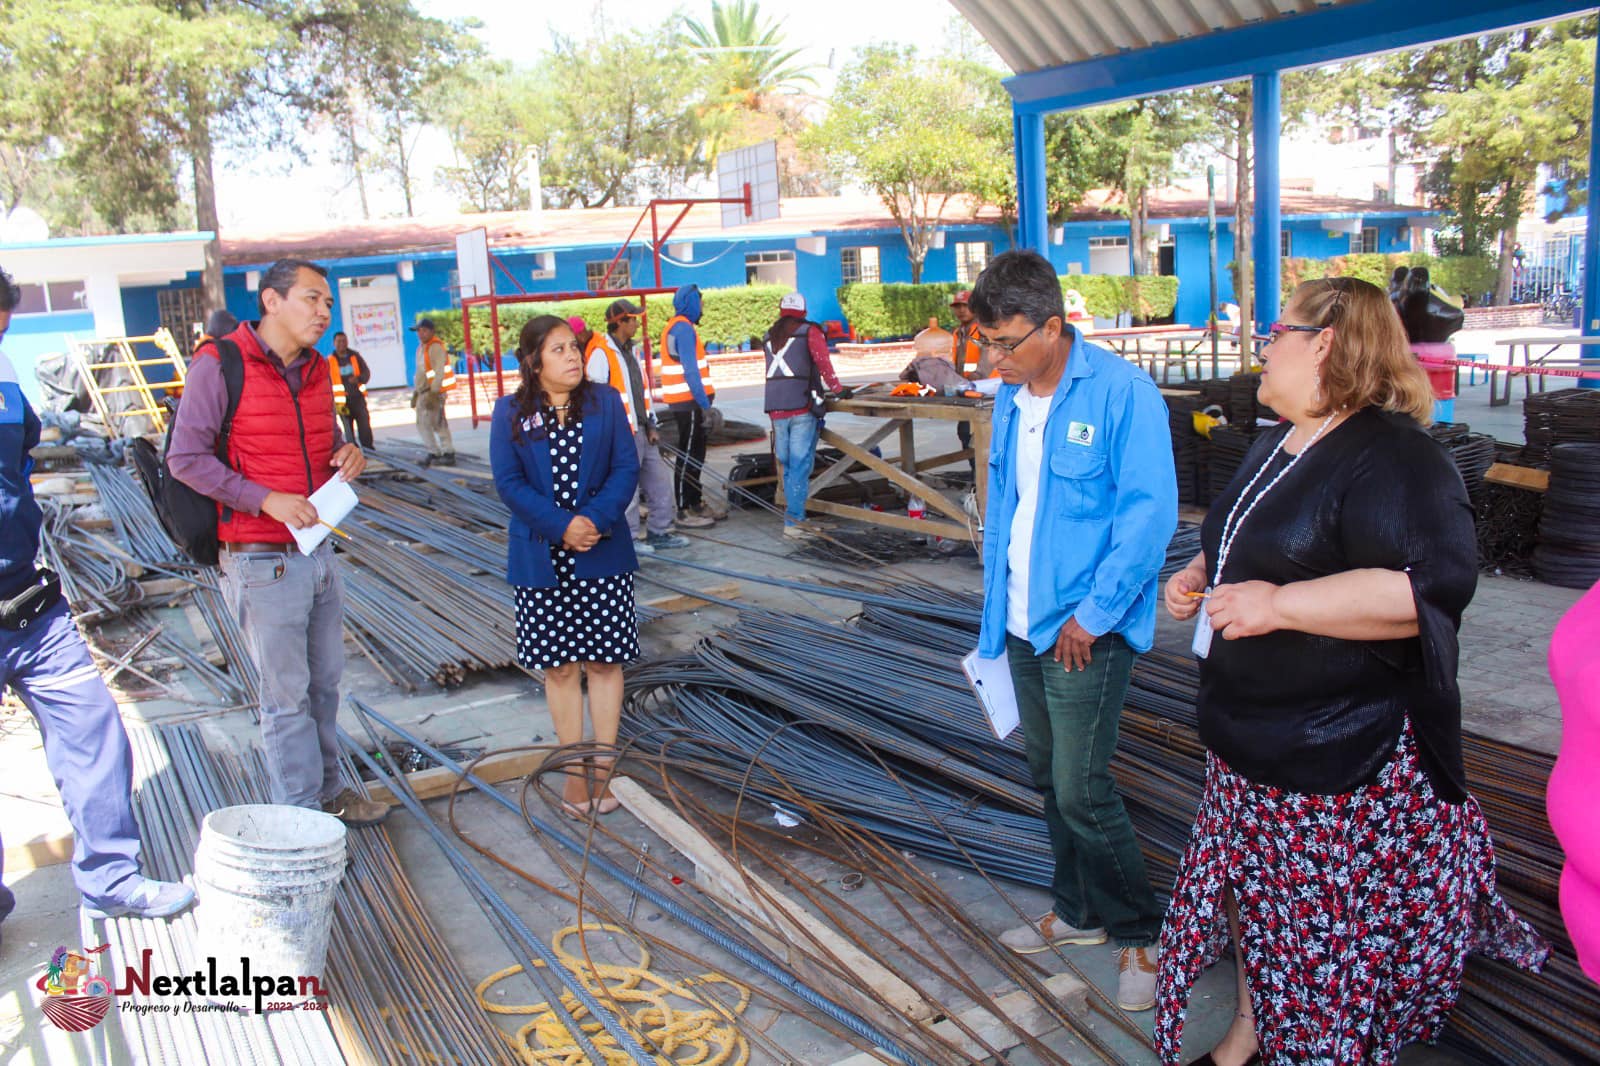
(1108, 505)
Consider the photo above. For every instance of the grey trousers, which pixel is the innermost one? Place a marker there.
(655, 482)
(432, 425)
(291, 608)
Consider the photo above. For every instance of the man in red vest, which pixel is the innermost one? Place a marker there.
(283, 445)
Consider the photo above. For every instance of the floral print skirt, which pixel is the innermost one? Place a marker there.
(1356, 911)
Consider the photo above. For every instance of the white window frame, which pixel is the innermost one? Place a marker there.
(595, 270)
(965, 274)
(867, 268)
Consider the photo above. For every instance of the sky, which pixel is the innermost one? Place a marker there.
(826, 31)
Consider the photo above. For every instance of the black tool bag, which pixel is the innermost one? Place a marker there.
(189, 518)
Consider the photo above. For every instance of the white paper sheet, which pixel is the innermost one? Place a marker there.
(991, 680)
(334, 502)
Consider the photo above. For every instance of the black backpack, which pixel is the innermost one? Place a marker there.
(189, 518)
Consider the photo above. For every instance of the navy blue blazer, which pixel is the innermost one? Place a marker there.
(608, 476)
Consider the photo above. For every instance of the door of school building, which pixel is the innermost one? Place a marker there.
(370, 312)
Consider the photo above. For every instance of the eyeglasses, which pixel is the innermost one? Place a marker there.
(1002, 346)
(1278, 329)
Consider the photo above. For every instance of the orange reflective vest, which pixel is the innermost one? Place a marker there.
(338, 379)
(435, 359)
(965, 351)
(616, 377)
(674, 386)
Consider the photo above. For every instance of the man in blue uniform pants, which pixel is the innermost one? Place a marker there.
(44, 660)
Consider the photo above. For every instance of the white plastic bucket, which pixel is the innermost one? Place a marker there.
(266, 876)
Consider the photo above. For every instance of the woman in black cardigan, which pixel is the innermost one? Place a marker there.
(1335, 840)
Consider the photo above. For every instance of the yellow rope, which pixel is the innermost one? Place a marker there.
(705, 1034)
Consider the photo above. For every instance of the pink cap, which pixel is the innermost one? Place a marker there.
(577, 323)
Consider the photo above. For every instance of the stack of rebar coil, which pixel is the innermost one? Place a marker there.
(1225, 450)
(1568, 553)
(1567, 416)
(1187, 455)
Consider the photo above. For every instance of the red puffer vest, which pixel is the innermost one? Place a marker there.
(278, 440)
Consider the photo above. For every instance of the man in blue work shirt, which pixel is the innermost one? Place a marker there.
(687, 389)
(1082, 503)
(44, 660)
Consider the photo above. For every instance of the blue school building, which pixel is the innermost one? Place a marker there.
(387, 273)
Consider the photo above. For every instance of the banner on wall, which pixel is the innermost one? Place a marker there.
(374, 325)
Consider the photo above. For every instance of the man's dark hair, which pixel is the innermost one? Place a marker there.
(281, 276)
(1018, 282)
(339, 333)
(10, 292)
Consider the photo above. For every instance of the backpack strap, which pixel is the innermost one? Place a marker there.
(232, 361)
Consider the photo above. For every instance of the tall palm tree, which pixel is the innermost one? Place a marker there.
(748, 51)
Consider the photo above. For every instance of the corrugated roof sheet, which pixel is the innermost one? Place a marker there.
(1032, 35)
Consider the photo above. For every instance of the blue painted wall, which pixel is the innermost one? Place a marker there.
(721, 263)
(32, 336)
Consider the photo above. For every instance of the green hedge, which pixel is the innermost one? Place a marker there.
(896, 310)
(1458, 275)
(729, 317)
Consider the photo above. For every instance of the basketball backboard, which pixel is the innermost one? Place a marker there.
(472, 264)
(756, 165)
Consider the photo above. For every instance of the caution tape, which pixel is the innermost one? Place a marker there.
(1552, 371)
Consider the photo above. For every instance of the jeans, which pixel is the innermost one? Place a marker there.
(1070, 720)
(691, 420)
(794, 445)
(49, 667)
(656, 486)
(291, 609)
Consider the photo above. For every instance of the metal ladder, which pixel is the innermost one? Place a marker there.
(88, 357)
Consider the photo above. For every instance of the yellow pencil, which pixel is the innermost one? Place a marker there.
(1191, 595)
(335, 528)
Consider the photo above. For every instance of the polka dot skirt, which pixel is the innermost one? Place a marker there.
(581, 620)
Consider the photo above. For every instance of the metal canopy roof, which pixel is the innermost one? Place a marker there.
(1030, 35)
(1074, 53)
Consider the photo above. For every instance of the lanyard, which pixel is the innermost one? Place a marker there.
(1230, 525)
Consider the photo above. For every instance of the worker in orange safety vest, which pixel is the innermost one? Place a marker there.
(350, 375)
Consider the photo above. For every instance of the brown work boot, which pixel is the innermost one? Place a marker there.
(1136, 977)
(1046, 932)
(352, 809)
(694, 520)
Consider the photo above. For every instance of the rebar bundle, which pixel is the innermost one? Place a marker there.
(397, 995)
(891, 684)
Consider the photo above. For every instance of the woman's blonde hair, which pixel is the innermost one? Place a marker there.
(1369, 360)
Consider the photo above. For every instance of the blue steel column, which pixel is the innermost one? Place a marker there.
(1033, 220)
(1269, 212)
(1591, 239)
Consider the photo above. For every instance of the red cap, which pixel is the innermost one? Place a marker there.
(961, 297)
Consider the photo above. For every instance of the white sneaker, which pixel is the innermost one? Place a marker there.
(1046, 932)
(1136, 977)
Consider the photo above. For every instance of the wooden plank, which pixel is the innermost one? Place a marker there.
(933, 497)
(1519, 477)
(36, 854)
(677, 602)
(1018, 1007)
(760, 898)
(202, 633)
(902, 522)
(837, 470)
(441, 781)
(936, 461)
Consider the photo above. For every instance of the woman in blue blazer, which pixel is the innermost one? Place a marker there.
(565, 464)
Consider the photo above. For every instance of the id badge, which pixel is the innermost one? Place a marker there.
(1202, 633)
